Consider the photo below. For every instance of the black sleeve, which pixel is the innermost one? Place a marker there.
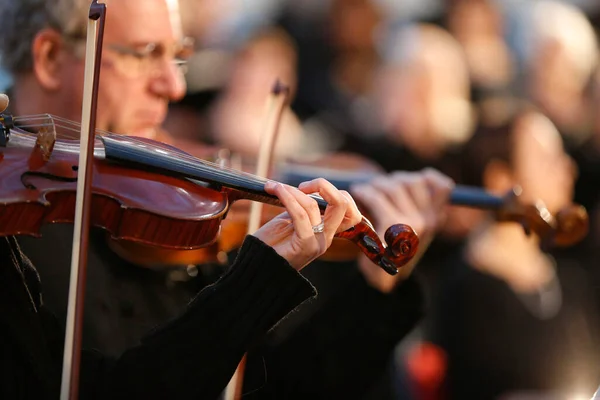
(195, 355)
(342, 349)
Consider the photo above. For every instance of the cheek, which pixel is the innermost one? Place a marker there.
(71, 96)
(532, 178)
(551, 186)
(116, 100)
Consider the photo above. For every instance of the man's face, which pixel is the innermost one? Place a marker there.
(138, 77)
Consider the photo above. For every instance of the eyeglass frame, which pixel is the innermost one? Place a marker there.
(179, 55)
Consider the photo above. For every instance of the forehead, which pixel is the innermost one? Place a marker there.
(140, 21)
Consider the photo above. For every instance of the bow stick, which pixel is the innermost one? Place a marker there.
(276, 105)
(73, 334)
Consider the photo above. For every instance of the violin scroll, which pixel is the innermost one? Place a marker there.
(568, 227)
(572, 225)
(402, 244)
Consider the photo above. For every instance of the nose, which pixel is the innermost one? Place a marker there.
(169, 82)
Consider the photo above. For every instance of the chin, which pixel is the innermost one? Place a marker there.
(148, 133)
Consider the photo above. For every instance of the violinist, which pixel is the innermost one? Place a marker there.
(142, 63)
(520, 319)
(140, 74)
(195, 354)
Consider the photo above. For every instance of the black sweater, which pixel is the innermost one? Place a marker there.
(191, 357)
(335, 346)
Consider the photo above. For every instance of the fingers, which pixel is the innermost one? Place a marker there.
(3, 102)
(308, 203)
(379, 205)
(402, 197)
(297, 207)
(440, 185)
(416, 186)
(353, 215)
(337, 205)
(398, 189)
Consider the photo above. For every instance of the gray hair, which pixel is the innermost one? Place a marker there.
(538, 21)
(22, 20)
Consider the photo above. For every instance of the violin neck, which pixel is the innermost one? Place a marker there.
(245, 186)
(180, 165)
(461, 195)
(295, 175)
(475, 197)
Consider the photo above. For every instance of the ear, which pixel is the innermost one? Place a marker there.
(47, 57)
(497, 177)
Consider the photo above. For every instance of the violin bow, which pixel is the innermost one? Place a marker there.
(74, 328)
(276, 106)
(277, 101)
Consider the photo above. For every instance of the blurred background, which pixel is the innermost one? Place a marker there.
(492, 93)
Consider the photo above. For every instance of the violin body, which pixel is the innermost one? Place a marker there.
(134, 205)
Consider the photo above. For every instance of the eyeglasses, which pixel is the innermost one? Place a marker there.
(146, 60)
(151, 58)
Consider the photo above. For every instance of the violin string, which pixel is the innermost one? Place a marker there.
(240, 177)
(65, 124)
(72, 147)
(229, 172)
(234, 176)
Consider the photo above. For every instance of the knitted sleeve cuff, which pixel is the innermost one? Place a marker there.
(257, 291)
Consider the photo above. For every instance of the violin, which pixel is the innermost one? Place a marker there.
(568, 227)
(143, 191)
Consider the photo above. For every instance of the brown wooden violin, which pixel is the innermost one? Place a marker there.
(144, 192)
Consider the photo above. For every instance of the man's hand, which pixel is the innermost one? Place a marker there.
(417, 199)
(291, 234)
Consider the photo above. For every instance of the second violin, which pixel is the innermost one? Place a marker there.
(567, 227)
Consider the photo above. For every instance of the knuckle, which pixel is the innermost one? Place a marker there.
(343, 200)
(321, 182)
(432, 172)
(380, 181)
(402, 180)
(302, 218)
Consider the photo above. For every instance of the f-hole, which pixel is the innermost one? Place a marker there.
(28, 174)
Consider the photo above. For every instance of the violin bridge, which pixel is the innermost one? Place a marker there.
(6, 124)
(46, 138)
